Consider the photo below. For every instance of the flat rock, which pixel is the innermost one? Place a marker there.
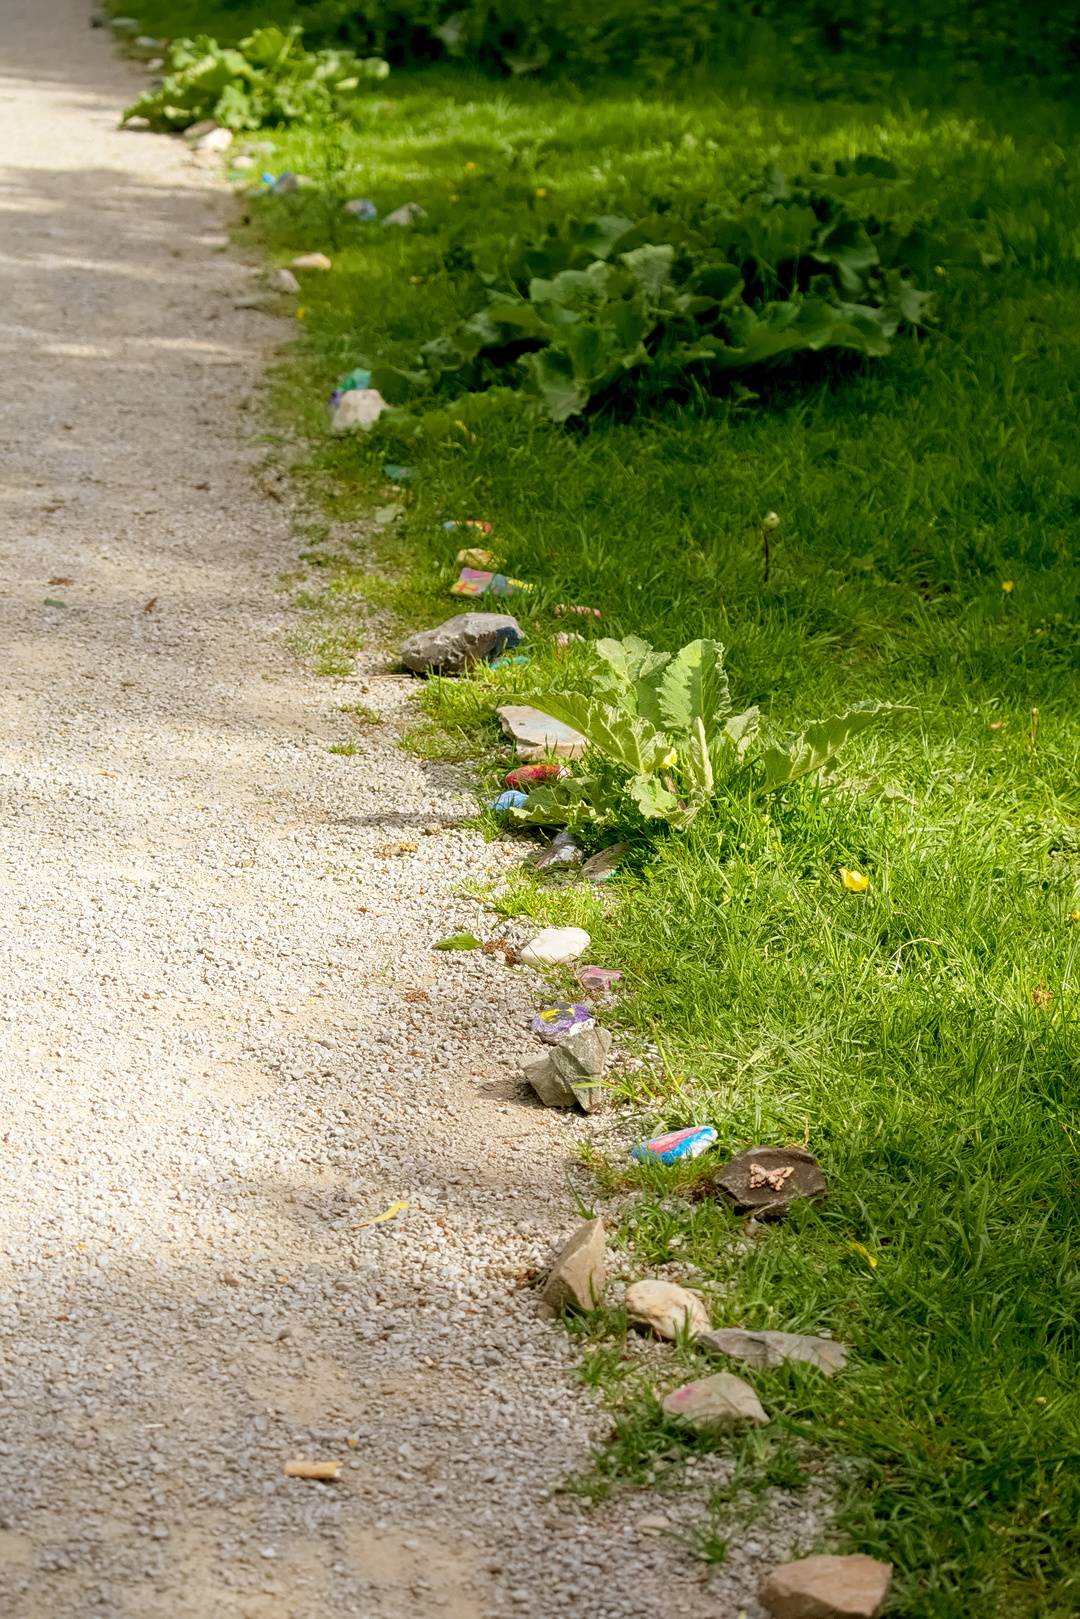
(667, 1308)
(311, 261)
(554, 946)
(359, 407)
(766, 1181)
(853, 1587)
(579, 1274)
(600, 866)
(538, 736)
(464, 640)
(762, 1349)
(720, 1401)
(410, 213)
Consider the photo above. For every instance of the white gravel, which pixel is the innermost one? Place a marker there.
(212, 1070)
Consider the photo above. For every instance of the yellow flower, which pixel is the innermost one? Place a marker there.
(854, 881)
(453, 196)
(669, 759)
(1075, 915)
(860, 1248)
(470, 165)
(301, 312)
(541, 191)
(1006, 585)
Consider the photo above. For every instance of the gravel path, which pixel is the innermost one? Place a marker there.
(227, 1039)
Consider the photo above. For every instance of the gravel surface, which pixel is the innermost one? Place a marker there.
(228, 1042)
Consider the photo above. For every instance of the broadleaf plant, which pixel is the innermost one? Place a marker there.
(680, 305)
(661, 733)
(267, 79)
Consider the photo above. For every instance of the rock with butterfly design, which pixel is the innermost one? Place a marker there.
(766, 1181)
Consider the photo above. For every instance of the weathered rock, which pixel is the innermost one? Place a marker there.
(654, 1523)
(721, 1401)
(284, 186)
(359, 407)
(579, 1274)
(538, 736)
(568, 1074)
(311, 261)
(853, 1587)
(766, 1181)
(554, 946)
(215, 140)
(548, 1083)
(284, 281)
(773, 1348)
(362, 208)
(667, 1308)
(463, 640)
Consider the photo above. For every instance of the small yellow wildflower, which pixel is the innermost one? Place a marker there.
(1006, 585)
(669, 759)
(470, 165)
(860, 1248)
(541, 191)
(854, 881)
(301, 312)
(1075, 915)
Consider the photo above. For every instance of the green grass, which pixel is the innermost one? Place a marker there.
(898, 1027)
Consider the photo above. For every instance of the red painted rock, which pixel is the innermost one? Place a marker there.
(852, 1587)
(722, 1401)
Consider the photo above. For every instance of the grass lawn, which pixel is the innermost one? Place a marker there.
(923, 1033)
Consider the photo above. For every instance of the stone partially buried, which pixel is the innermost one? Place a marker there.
(538, 736)
(763, 1349)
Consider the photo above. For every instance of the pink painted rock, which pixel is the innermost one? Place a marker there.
(852, 1587)
(721, 1401)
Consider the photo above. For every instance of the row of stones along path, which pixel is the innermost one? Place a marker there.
(210, 1067)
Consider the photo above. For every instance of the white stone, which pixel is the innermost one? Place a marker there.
(667, 1308)
(360, 407)
(554, 946)
(215, 140)
(311, 261)
(410, 213)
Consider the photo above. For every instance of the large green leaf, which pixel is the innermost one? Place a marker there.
(627, 738)
(653, 800)
(815, 746)
(694, 687)
(636, 672)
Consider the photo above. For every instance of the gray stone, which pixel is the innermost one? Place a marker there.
(579, 1274)
(538, 736)
(548, 1084)
(463, 640)
(766, 1181)
(667, 1308)
(720, 1401)
(563, 1077)
(284, 281)
(852, 1587)
(763, 1349)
